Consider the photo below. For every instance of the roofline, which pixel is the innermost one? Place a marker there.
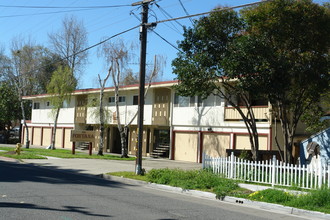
(107, 89)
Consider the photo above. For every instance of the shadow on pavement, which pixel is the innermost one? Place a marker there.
(18, 172)
(73, 209)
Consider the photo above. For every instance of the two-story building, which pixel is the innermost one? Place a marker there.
(180, 128)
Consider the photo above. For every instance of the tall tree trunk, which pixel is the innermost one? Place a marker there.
(54, 129)
(101, 112)
(27, 141)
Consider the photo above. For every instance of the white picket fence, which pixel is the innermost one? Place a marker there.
(272, 172)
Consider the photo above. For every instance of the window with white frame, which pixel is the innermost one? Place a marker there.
(211, 100)
(135, 100)
(36, 105)
(65, 104)
(121, 99)
(184, 101)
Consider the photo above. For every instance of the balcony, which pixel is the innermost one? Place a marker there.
(80, 115)
(261, 113)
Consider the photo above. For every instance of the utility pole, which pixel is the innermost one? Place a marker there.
(143, 52)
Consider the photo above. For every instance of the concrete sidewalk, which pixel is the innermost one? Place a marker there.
(99, 166)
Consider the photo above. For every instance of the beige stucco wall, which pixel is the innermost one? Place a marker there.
(37, 136)
(186, 145)
(30, 135)
(215, 145)
(47, 136)
(243, 142)
(67, 142)
(58, 138)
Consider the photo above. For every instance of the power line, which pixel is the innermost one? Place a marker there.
(166, 41)
(157, 34)
(167, 14)
(90, 47)
(185, 10)
(52, 7)
(44, 13)
(215, 10)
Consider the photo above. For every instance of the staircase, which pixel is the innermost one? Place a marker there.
(162, 151)
(83, 146)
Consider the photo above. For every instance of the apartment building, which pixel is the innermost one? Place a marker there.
(175, 127)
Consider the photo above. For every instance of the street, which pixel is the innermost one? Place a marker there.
(33, 192)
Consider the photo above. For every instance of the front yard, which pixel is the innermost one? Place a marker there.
(204, 180)
(38, 153)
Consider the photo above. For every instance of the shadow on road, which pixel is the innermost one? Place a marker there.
(17, 172)
(74, 209)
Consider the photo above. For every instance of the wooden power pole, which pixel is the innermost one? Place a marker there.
(143, 52)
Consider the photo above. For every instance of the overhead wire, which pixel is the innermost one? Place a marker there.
(54, 7)
(169, 16)
(185, 10)
(44, 13)
(158, 34)
(162, 21)
(209, 12)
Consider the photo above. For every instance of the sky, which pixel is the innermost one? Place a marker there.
(35, 19)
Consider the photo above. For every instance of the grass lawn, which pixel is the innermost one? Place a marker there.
(315, 200)
(37, 153)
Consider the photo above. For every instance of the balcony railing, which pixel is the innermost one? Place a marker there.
(260, 113)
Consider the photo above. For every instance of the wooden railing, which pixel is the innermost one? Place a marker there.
(260, 113)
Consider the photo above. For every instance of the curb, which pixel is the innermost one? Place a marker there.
(229, 199)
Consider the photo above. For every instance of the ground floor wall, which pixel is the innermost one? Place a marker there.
(42, 136)
(189, 145)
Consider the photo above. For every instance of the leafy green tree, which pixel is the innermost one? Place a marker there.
(199, 66)
(284, 54)
(23, 73)
(61, 85)
(9, 106)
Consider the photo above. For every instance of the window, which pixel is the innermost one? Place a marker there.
(36, 105)
(135, 100)
(184, 101)
(47, 104)
(211, 100)
(65, 104)
(121, 99)
(112, 99)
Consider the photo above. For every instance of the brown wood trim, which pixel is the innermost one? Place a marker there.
(42, 135)
(173, 145)
(32, 134)
(63, 137)
(200, 147)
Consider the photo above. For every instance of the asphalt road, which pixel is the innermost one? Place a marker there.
(33, 192)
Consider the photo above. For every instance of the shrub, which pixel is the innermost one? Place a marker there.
(193, 179)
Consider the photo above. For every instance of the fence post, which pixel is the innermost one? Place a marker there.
(273, 170)
(231, 165)
(203, 160)
(320, 173)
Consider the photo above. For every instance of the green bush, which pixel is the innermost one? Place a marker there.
(272, 196)
(193, 179)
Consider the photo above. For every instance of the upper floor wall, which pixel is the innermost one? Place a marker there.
(42, 112)
(162, 108)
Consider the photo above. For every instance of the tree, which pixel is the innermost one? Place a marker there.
(199, 66)
(61, 86)
(284, 54)
(9, 106)
(117, 56)
(23, 71)
(69, 43)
